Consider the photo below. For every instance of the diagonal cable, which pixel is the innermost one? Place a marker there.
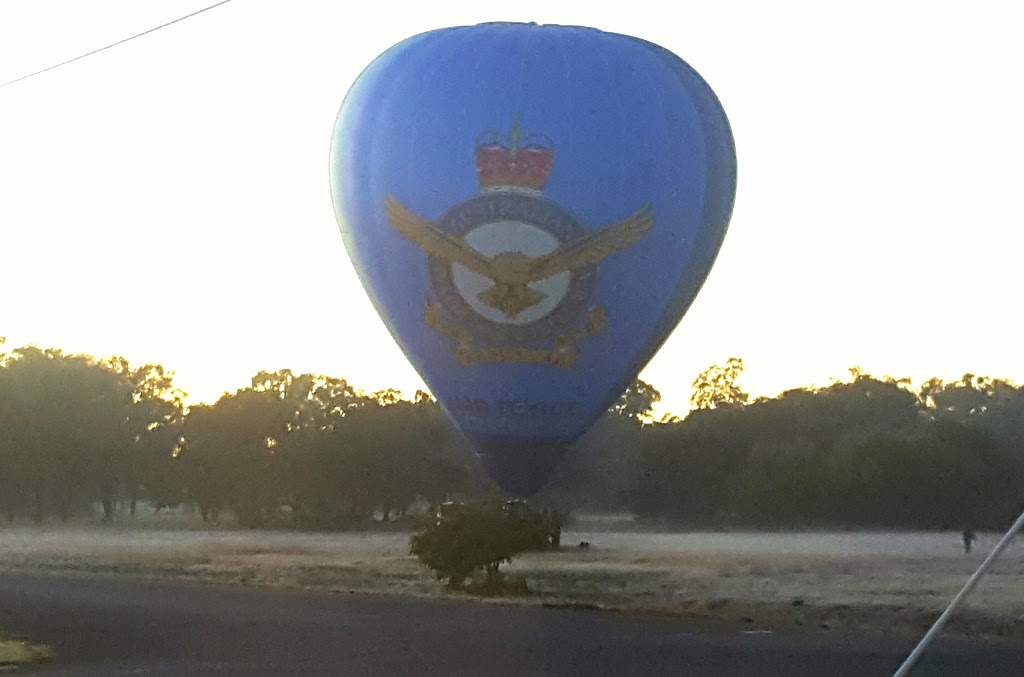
(115, 44)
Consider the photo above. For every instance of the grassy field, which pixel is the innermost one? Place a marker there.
(15, 653)
(892, 583)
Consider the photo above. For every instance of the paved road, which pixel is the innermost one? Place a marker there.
(119, 627)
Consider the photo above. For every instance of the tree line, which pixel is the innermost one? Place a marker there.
(305, 450)
(312, 451)
(868, 452)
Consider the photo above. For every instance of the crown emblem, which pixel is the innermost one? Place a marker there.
(513, 161)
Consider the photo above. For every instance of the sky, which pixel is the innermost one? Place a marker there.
(167, 199)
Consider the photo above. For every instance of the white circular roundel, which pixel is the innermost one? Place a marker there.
(499, 237)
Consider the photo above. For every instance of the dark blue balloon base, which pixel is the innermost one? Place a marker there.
(520, 466)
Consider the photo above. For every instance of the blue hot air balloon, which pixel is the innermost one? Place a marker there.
(531, 209)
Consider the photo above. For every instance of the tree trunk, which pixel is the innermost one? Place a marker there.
(37, 507)
(108, 510)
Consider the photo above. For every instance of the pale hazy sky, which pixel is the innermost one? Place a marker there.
(168, 200)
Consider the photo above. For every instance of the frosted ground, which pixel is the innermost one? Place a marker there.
(892, 583)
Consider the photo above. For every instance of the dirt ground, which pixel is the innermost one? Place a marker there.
(891, 583)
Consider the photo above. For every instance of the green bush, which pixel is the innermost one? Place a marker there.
(479, 537)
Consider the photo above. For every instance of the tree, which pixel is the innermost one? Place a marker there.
(599, 473)
(393, 452)
(689, 471)
(148, 466)
(480, 537)
(863, 408)
(314, 451)
(990, 403)
(637, 401)
(64, 422)
(230, 451)
(716, 386)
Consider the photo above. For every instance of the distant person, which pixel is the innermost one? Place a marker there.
(969, 538)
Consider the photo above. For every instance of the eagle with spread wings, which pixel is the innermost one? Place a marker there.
(511, 271)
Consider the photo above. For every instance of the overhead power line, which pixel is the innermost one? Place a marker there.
(115, 44)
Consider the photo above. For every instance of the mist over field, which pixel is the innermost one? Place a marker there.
(873, 582)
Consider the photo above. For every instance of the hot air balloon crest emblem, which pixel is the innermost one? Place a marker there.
(513, 273)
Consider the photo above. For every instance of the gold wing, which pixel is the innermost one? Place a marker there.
(592, 249)
(435, 242)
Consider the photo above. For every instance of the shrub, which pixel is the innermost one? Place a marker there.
(479, 537)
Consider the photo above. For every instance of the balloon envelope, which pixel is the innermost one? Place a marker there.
(531, 210)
